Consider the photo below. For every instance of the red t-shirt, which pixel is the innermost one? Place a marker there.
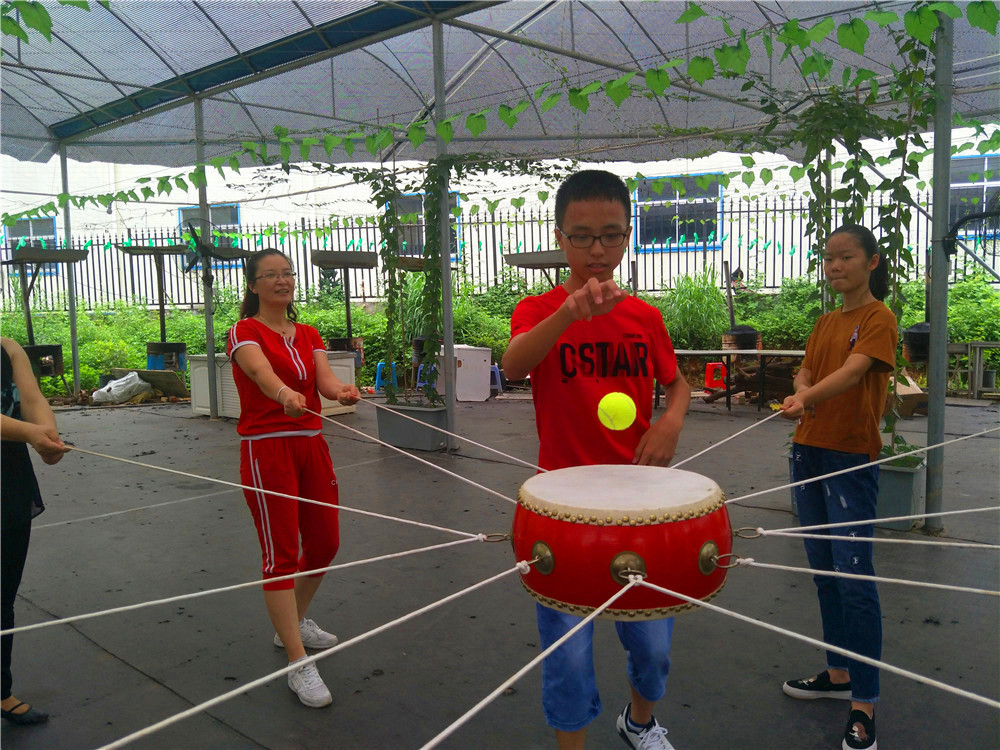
(622, 351)
(292, 361)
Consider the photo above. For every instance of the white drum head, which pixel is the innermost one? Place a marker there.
(620, 493)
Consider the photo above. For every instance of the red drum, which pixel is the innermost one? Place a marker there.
(590, 525)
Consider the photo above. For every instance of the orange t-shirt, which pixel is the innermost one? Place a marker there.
(849, 422)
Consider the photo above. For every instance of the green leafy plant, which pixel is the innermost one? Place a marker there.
(695, 311)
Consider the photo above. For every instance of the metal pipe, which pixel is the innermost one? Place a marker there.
(444, 222)
(204, 234)
(939, 266)
(70, 273)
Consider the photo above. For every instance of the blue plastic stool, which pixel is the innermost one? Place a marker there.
(379, 376)
(495, 383)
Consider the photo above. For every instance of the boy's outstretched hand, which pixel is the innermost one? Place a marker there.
(594, 298)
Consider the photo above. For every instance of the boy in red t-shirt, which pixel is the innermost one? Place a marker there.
(584, 339)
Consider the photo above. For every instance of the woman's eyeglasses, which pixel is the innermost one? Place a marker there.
(273, 275)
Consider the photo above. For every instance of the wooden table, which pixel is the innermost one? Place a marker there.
(976, 349)
(763, 354)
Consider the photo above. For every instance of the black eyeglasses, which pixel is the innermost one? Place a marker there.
(272, 275)
(583, 241)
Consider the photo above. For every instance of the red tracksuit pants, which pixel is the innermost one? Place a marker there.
(299, 466)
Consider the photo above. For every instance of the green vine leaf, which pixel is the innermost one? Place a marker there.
(550, 101)
(349, 146)
(541, 90)
(370, 145)
(508, 115)
(491, 206)
(34, 16)
(162, 186)
(416, 134)
(948, 9)
(768, 45)
(748, 161)
(881, 18)
(446, 130)
(701, 69)
(234, 163)
(853, 35)
(821, 31)
(181, 183)
(10, 27)
(286, 151)
(619, 90)
(748, 178)
(147, 193)
(734, 58)
(766, 175)
(921, 24)
(983, 15)
(330, 142)
(543, 195)
(657, 80)
(517, 202)
(305, 146)
(579, 100)
(693, 13)
(817, 63)
(796, 173)
(475, 123)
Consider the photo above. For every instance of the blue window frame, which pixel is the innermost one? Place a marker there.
(678, 213)
(224, 217)
(39, 232)
(975, 183)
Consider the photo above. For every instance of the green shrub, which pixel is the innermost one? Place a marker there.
(785, 319)
(695, 311)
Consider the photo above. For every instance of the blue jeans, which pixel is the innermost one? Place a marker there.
(852, 617)
(569, 687)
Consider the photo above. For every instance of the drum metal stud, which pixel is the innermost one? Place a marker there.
(706, 557)
(626, 564)
(546, 560)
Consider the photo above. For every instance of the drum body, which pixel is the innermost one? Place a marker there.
(593, 524)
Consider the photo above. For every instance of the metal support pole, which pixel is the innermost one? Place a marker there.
(937, 360)
(447, 321)
(206, 262)
(70, 274)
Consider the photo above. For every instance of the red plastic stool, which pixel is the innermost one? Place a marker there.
(715, 375)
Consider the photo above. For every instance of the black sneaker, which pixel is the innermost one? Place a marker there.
(860, 732)
(817, 687)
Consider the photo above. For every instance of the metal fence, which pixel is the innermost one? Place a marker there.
(764, 241)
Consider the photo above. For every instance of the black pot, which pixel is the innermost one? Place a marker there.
(743, 337)
(917, 342)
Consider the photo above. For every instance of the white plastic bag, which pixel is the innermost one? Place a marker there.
(121, 390)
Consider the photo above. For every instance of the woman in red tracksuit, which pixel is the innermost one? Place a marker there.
(280, 368)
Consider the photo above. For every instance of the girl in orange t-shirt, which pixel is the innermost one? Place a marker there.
(839, 394)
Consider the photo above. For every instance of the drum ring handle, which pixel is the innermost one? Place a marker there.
(544, 560)
(747, 532)
(496, 537)
(727, 566)
(627, 564)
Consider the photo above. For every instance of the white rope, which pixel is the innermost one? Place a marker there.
(862, 466)
(749, 562)
(276, 494)
(449, 730)
(234, 587)
(300, 663)
(879, 540)
(451, 434)
(836, 649)
(171, 502)
(842, 524)
(725, 440)
(417, 458)
(127, 510)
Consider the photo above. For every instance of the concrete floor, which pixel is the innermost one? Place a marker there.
(104, 678)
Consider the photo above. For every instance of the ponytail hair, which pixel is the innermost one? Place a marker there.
(878, 279)
(251, 301)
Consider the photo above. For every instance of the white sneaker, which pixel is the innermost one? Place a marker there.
(313, 636)
(650, 738)
(306, 683)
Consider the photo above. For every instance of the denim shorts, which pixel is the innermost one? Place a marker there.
(569, 686)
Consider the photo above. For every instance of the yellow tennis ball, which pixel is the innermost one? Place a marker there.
(616, 411)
